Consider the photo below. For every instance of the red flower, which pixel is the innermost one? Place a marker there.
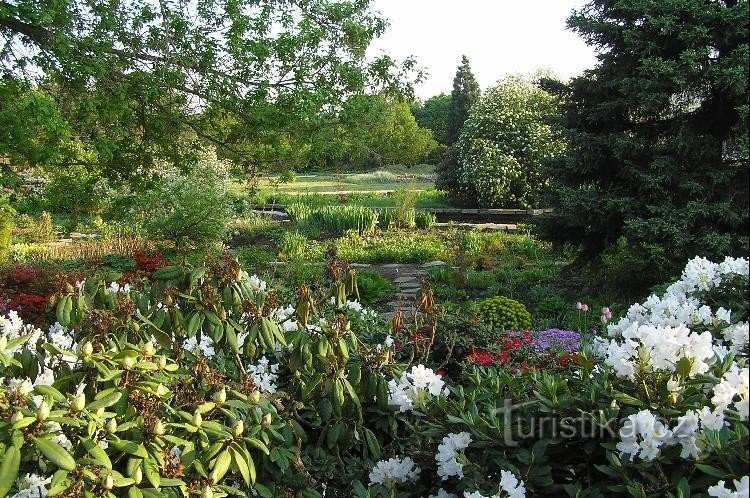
(503, 356)
(527, 337)
(480, 357)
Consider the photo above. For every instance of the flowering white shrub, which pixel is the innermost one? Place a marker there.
(264, 375)
(741, 486)
(448, 455)
(415, 388)
(394, 471)
(510, 487)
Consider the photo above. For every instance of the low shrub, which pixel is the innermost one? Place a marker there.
(392, 247)
(76, 189)
(424, 220)
(502, 313)
(373, 287)
(375, 177)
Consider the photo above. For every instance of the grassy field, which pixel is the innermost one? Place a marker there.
(419, 177)
(369, 189)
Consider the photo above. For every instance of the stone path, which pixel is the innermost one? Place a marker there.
(407, 279)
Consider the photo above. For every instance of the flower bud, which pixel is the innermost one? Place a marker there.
(159, 428)
(135, 326)
(162, 363)
(238, 428)
(99, 411)
(128, 362)
(161, 391)
(222, 314)
(78, 403)
(87, 349)
(108, 482)
(111, 426)
(266, 421)
(3, 343)
(148, 349)
(168, 300)
(17, 417)
(197, 419)
(137, 475)
(207, 492)
(43, 411)
(220, 397)
(254, 397)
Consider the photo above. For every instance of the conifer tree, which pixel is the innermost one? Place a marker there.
(465, 92)
(657, 165)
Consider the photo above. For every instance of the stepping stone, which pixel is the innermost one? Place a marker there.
(360, 265)
(432, 264)
(403, 280)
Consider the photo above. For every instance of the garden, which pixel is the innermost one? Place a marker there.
(218, 279)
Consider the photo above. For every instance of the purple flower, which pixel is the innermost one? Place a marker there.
(556, 339)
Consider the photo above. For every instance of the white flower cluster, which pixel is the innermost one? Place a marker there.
(33, 486)
(204, 347)
(256, 284)
(415, 388)
(652, 348)
(282, 316)
(264, 375)
(733, 385)
(394, 471)
(364, 313)
(644, 436)
(509, 483)
(443, 494)
(62, 339)
(448, 454)
(742, 489)
(12, 327)
(116, 288)
(680, 306)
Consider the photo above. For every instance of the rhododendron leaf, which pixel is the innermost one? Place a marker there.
(134, 492)
(220, 466)
(55, 453)
(240, 464)
(711, 470)
(257, 444)
(9, 469)
(96, 451)
(104, 402)
(130, 448)
(151, 471)
(50, 391)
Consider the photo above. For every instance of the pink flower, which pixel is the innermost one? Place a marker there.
(603, 318)
(606, 312)
(585, 307)
(579, 305)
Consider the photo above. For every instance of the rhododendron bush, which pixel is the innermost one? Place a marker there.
(201, 382)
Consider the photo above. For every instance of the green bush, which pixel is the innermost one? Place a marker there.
(386, 218)
(405, 201)
(254, 257)
(424, 220)
(190, 209)
(27, 253)
(295, 246)
(373, 287)
(502, 313)
(76, 189)
(392, 247)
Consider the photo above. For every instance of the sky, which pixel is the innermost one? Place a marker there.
(499, 37)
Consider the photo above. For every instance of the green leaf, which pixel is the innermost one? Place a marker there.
(9, 469)
(151, 471)
(241, 464)
(55, 453)
(104, 402)
(130, 448)
(97, 453)
(711, 470)
(220, 466)
(51, 392)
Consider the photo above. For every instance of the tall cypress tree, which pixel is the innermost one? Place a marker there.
(465, 92)
(657, 170)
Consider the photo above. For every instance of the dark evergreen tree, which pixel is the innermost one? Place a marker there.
(656, 171)
(465, 92)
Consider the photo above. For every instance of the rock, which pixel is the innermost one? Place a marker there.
(404, 280)
(433, 264)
